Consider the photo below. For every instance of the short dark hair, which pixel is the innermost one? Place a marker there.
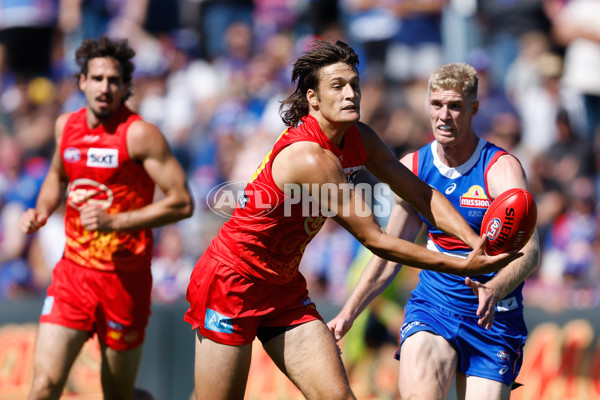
(118, 49)
(306, 74)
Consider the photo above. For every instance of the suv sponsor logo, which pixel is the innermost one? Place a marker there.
(102, 158)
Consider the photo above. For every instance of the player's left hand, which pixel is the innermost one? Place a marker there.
(487, 302)
(94, 218)
(338, 326)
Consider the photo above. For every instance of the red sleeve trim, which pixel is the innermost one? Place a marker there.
(487, 169)
(415, 163)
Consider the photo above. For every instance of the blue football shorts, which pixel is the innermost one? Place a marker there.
(495, 354)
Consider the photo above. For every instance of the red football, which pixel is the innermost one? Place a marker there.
(509, 221)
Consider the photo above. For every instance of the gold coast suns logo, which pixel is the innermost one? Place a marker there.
(312, 225)
(475, 197)
(87, 191)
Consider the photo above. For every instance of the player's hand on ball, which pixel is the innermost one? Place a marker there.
(478, 262)
(509, 221)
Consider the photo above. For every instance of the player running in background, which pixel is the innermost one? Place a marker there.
(109, 161)
(247, 283)
(471, 328)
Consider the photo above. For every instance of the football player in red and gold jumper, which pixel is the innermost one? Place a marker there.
(247, 283)
(109, 161)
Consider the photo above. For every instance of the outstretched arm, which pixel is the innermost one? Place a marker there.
(379, 273)
(307, 164)
(432, 204)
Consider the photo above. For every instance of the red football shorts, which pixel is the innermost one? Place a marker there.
(114, 305)
(228, 308)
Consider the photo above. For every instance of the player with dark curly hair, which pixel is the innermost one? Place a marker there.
(108, 161)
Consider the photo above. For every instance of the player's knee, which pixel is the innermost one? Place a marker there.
(335, 392)
(410, 393)
(43, 387)
(346, 395)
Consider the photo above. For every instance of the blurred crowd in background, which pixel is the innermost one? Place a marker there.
(211, 75)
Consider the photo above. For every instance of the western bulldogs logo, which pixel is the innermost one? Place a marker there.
(503, 355)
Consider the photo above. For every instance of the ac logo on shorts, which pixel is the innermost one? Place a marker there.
(48, 303)
(217, 322)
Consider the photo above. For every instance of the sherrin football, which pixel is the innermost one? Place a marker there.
(509, 221)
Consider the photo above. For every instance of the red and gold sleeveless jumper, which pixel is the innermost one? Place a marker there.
(101, 173)
(266, 240)
(103, 282)
(263, 242)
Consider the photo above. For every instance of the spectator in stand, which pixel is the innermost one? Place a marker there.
(370, 26)
(568, 258)
(401, 40)
(26, 29)
(500, 110)
(20, 181)
(81, 19)
(576, 28)
(460, 30)
(415, 51)
(569, 158)
(523, 73)
(171, 268)
(538, 107)
(503, 23)
(216, 17)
